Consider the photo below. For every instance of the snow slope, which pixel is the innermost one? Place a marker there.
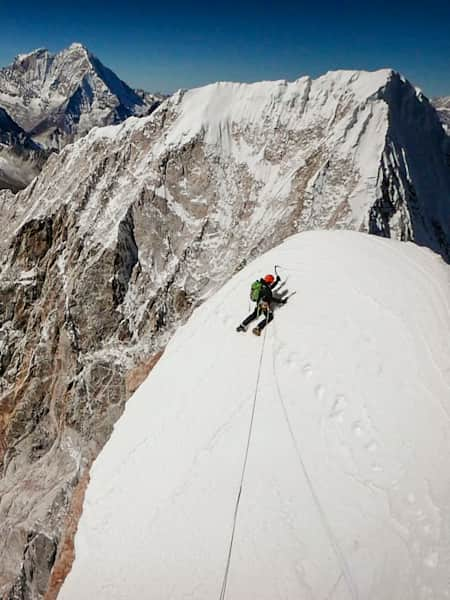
(346, 489)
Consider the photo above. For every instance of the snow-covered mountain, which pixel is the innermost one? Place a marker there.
(129, 228)
(59, 98)
(443, 108)
(310, 463)
(350, 149)
(20, 157)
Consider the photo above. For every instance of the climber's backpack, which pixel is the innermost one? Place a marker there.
(255, 290)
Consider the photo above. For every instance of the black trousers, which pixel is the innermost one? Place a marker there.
(268, 316)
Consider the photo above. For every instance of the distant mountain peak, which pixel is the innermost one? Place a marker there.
(54, 99)
(78, 50)
(77, 46)
(24, 62)
(33, 53)
(59, 97)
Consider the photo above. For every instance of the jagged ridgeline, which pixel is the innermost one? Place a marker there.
(59, 97)
(109, 249)
(48, 101)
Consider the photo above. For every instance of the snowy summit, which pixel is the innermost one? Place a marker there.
(335, 423)
(59, 98)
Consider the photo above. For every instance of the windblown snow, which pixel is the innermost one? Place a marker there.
(346, 486)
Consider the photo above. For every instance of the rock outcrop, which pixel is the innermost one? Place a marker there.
(21, 158)
(442, 105)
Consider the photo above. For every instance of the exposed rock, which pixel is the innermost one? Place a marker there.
(63, 562)
(443, 108)
(21, 158)
(137, 375)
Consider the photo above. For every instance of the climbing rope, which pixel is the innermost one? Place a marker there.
(244, 466)
(326, 525)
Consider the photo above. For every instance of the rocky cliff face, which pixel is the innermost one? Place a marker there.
(59, 98)
(20, 157)
(443, 108)
(413, 196)
(106, 253)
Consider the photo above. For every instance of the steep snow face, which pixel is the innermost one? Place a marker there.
(58, 98)
(414, 180)
(344, 407)
(349, 150)
(335, 111)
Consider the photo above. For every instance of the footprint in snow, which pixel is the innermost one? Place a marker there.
(372, 446)
(338, 408)
(358, 429)
(320, 392)
(292, 361)
(307, 370)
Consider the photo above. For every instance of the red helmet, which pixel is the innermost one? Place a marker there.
(269, 278)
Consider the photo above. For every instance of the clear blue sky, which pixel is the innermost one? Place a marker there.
(167, 45)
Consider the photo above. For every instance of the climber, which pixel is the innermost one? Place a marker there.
(261, 293)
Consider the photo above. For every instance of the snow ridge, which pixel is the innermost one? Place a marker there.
(345, 150)
(345, 493)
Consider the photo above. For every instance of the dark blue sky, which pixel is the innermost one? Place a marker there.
(164, 46)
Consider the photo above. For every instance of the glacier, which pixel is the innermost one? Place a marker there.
(313, 461)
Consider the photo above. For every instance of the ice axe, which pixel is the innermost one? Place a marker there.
(282, 283)
(276, 267)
